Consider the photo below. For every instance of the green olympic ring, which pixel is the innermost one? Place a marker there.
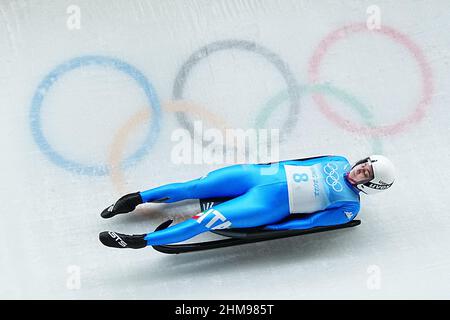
(328, 89)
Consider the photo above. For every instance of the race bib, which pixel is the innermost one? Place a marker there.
(306, 194)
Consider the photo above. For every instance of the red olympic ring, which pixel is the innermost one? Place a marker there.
(416, 52)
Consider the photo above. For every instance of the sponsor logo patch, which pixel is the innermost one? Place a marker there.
(210, 217)
(118, 239)
(349, 214)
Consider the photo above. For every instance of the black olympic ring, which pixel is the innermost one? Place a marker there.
(273, 58)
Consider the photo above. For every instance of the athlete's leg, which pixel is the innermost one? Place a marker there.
(261, 205)
(229, 181)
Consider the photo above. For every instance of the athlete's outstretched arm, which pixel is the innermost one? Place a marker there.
(325, 218)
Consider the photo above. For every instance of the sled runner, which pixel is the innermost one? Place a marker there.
(241, 236)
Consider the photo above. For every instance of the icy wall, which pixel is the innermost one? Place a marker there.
(91, 92)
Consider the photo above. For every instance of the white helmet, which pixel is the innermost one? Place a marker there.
(383, 174)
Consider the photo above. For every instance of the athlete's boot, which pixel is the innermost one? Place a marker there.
(125, 204)
(119, 240)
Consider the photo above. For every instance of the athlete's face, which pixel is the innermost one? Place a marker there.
(361, 173)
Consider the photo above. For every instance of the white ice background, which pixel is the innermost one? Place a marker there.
(50, 216)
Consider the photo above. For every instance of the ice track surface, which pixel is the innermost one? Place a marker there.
(87, 115)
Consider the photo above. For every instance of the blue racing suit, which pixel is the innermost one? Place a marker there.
(292, 194)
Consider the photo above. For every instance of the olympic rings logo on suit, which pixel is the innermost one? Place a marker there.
(332, 178)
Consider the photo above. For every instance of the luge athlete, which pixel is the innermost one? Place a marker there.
(302, 194)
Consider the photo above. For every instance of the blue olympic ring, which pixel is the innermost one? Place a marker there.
(54, 75)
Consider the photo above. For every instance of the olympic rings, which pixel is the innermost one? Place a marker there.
(400, 38)
(243, 45)
(326, 89)
(60, 70)
(292, 93)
